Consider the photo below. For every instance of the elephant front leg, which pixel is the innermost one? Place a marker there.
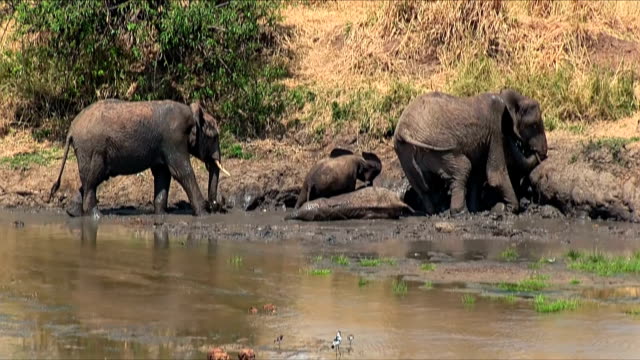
(180, 168)
(161, 184)
(498, 176)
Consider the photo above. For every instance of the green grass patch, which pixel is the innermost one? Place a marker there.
(614, 145)
(317, 259)
(362, 282)
(427, 267)
(607, 265)
(340, 260)
(389, 261)
(428, 285)
(543, 305)
(319, 272)
(573, 255)
(509, 255)
(571, 96)
(400, 288)
(25, 161)
(230, 149)
(574, 282)
(633, 312)
(369, 262)
(468, 300)
(535, 283)
(236, 260)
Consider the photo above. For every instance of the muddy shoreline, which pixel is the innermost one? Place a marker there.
(466, 249)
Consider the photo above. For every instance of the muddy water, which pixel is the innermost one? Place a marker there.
(75, 289)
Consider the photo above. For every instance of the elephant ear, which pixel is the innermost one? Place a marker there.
(337, 152)
(510, 118)
(203, 120)
(198, 113)
(372, 158)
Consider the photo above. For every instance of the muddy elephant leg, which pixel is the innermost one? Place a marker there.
(93, 176)
(180, 168)
(75, 208)
(406, 155)
(161, 184)
(498, 176)
(459, 167)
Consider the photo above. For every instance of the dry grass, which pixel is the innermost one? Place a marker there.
(404, 34)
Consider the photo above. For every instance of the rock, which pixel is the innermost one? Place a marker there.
(438, 257)
(550, 212)
(365, 203)
(444, 227)
(217, 354)
(246, 354)
(499, 209)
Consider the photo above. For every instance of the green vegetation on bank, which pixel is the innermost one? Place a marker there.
(604, 265)
(542, 305)
(400, 288)
(565, 97)
(509, 255)
(65, 55)
(71, 53)
(534, 283)
(25, 161)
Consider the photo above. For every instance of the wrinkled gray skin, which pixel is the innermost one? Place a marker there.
(113, 137)
(338, 173)
(440, 135)
(364, 203)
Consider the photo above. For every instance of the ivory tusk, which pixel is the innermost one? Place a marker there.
(221, 168)
(538, 157)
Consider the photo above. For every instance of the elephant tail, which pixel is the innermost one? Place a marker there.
(56, 185)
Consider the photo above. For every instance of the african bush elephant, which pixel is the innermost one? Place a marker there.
(114, 137)
(338, 173)
(448, 137)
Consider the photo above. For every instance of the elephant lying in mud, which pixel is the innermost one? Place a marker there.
(364, 203)
(338, 173)
(450, 138)
(114, 137)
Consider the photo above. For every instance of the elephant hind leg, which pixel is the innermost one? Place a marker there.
(407, 156)
(161, 183)
(459, 166)
(91, 176)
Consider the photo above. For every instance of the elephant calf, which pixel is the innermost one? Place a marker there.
(440, 135)
(338, 173)
(114, 137)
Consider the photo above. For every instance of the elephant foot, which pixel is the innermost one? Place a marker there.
(457, 213)
(95, 213)
(74, 210)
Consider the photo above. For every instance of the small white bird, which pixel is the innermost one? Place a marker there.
(336, 342)
(350, 337)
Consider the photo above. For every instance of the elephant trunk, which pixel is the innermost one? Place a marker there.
(214, 174)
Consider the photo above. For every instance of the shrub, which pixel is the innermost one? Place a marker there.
(73, 53)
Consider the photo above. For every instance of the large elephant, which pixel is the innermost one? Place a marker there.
(114, 137)
(448, 137)
(338, 173)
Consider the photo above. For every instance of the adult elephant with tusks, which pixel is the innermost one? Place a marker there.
(114, 137)
(440, 135)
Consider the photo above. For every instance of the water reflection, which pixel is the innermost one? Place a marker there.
(87, 289)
